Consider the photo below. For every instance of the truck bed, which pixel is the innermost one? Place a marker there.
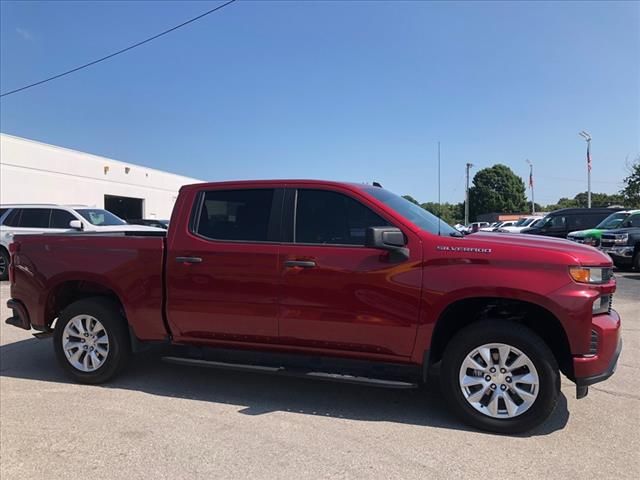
(129, 264)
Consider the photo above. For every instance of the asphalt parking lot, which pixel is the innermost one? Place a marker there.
(166, 421)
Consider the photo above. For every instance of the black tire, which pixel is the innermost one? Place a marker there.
(636, 261)
(107, 312)
(514, 335)
(4, 264)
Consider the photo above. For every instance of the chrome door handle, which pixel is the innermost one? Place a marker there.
(189, 259)
(300, 263)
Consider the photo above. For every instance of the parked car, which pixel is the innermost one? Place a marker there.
(592, 236)
(491, 227)
(150, 222)
(518, 226)
(560, 222)
(346, 282)
(476, 226)
(41, 218)
(623, 244)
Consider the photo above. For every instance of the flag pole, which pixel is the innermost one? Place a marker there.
(587, 138)
(533, 203)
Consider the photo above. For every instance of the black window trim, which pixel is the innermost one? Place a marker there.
(292, 220)
(275, 216)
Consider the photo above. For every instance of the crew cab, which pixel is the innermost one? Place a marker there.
(329, 280)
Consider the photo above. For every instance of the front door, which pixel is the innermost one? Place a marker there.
(223, 270)
(337, 294)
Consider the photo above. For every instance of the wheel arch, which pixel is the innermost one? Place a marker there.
(467, 311)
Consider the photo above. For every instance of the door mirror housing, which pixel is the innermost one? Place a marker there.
(76, 225)
(390, 239)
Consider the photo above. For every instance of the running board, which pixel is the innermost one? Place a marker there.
(334, 377)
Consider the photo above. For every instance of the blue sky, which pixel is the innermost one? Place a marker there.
(355, 91)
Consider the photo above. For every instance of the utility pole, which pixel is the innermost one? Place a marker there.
(587, 138)
(533, 203)
(466, 197)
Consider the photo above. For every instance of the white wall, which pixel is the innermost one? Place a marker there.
(34, 172)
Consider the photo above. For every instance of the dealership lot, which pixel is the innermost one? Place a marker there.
(167, 421)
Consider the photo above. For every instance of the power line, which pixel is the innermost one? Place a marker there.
(131, 47)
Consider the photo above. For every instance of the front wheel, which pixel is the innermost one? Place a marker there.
(500, 376)
(91, 340)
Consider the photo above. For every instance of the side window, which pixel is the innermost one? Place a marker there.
(13, 218)
(329, 217)
(633, 221)
(236, 215)
(575, 222)
(558, 222)
(35, 218)
(61, 218)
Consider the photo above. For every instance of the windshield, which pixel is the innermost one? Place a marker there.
(523, 222)
(612, 221)
(100, 218)
(412, 212)
(539, 223)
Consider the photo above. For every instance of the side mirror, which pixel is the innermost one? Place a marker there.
(76, 225)
(387, 238)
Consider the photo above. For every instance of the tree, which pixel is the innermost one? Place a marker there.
(497, 189)
(450, 213)
(631, 190)
(411, 199)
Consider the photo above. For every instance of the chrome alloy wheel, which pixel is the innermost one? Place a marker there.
(85, 343)
(499, 380)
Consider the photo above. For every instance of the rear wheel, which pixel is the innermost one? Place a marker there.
(4, 264)
(500, 376)
(636, 261)
(91, 340)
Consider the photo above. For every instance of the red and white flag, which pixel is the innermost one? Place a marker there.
(531, 179)
(588, 156)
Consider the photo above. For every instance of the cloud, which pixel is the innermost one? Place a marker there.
(25, 34)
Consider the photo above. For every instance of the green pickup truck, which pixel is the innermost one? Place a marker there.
(592, 236)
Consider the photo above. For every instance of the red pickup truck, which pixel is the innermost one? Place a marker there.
(329, 280)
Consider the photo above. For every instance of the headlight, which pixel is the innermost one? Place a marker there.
(589, 240)
(601, 305)
(591, 274)
(621, 238)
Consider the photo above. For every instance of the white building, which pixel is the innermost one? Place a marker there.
(34, 172)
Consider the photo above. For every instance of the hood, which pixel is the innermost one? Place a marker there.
(516, 245)
(623, 230)
(585, 233)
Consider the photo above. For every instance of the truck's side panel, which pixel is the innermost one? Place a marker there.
(130, 267)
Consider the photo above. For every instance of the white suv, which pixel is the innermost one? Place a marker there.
(34, 219)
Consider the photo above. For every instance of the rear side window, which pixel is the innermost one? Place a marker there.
(61, 218)
(35, 218)
(325, 217)
(240, 215)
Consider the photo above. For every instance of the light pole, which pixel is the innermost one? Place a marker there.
(587, 138)
(533, 204)
(466, 197)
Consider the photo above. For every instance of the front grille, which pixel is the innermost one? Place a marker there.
(593, 345)
(610, 303)
(607, 274)
(607, 242)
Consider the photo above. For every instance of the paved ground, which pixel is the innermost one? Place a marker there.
(162, 421)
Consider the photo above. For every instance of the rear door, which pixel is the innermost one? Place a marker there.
(223, 269)
(338, 294)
